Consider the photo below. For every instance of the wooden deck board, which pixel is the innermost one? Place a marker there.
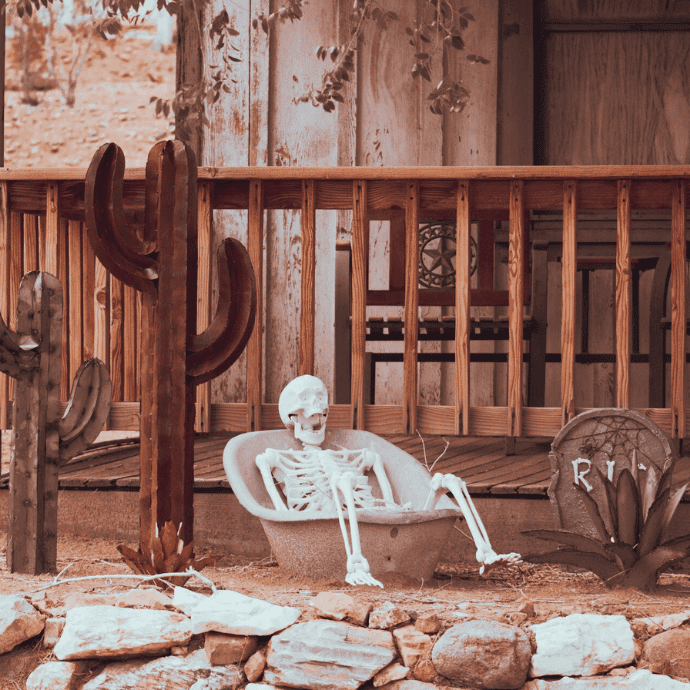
(480, 462)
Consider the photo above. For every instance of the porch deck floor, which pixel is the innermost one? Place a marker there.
(481, 462)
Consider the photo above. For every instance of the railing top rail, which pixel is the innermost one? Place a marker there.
(500, 172)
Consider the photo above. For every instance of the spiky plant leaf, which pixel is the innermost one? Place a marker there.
(594, 515)
(648, 490)
(634, 468)
(675, 495)
(601, 566)
(666, 479)
(645, 573)
(682, 542)
(624, 553)
(168, 538)
(653, 527)
(576, 541)
(611, 504)
(157, 555)
(628, 508)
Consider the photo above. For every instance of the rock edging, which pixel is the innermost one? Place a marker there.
(228, 640)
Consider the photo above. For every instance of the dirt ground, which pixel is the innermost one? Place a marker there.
(112, 104)
(456, 591)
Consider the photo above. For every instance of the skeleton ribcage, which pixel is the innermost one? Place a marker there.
(310, 492)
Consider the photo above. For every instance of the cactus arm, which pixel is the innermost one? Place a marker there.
(108, 231)
(87, 410)
(214, 350)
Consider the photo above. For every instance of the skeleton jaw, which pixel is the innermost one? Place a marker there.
(311, 431)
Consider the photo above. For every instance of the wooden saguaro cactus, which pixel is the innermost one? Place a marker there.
(42, 437)
(160, 260)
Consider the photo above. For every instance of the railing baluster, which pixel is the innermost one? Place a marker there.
(255, 243)
(678, 310)
(411, 308)
(130, 359)
(16, 273)
(88, 292)
(5, 252)
(462, 310)
(202, 421)
(63, 276)
(116, 300)
(568, 270)
(515, 307)
(623, 296)
(52, 229)
(30, 239)
(74, 307)
(360, 247)
(308, 279)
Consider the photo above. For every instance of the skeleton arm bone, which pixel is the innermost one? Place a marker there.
(266, 462)
(380, 472)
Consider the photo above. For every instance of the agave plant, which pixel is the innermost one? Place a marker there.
(640, 507)
(168, 554)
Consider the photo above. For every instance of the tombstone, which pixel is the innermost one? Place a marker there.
(608, 439)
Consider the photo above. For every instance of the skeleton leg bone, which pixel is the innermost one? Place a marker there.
(357, 565)
(440, 483)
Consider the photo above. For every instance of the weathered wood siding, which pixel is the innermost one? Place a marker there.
(385, 120)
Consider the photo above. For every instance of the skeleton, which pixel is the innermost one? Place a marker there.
(321, 479)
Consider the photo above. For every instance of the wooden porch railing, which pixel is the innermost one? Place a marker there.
(42, 213)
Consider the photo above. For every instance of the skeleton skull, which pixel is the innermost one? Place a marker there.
(303, 405)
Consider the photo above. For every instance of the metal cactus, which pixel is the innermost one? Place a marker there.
(42, 438)
(160, 260)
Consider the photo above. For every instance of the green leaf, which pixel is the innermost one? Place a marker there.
(648, 489)
(628, 508)
(601, 566)
(594, 515)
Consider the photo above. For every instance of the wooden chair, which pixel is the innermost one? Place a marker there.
(484, 294)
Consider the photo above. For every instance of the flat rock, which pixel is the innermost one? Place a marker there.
(387, 616)
(637, 680)
(359, 613)
(169, 672)
(428, 623)
(110, 631)
(185, 600)
(237, 614)
(19, 621)
(394, 671)
(222, 648)
(56, 675)
(668, 653)
(483, 654)
(52, 631)
(661, 623)
(409, 685)
(582, 644)
(254, 668)
(327, 655)
(145, 599)
(332, 605)
(412, 644)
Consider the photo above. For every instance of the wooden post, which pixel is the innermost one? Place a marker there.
(678, 309)
(52, 229)
(515, 307)
(623, 296)
(308, 280)
(360, 248)
(203, 314)
(5, 257)
(462, 310)
(411, 308)
(255, 247)
(568, 271)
